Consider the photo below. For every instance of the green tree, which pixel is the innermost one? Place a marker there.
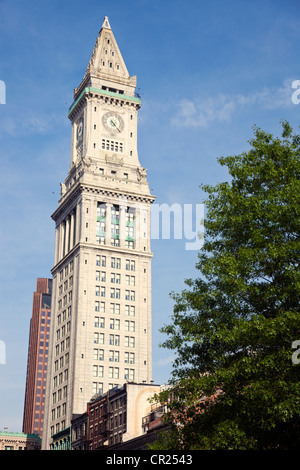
(234, 381)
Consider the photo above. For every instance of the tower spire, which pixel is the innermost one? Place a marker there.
(106, 67)
(106, 23)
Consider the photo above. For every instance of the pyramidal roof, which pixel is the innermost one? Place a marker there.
(106, 61)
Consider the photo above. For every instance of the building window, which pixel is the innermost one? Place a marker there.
(115, 309)
(116, 263)
(129, 325)
(97, 388)
(129, 374)
(130, 280)
(113, 372)
(112, 145)
(98, 354)
(114, 340)
(99, 322)
(129, 244)
(114, 356)
(130, 310)
(99, 338)
(114, 324)
(129, 341)
(98, 371)
(129, 358)
(101, 261)
(130, 265)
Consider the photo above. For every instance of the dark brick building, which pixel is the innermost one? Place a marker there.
(37, 358)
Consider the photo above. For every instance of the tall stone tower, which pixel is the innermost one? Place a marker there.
(101, 300)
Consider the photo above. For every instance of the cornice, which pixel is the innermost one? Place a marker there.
(98, 91)
(80, 188)
(93, 247)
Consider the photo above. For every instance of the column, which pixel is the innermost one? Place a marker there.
(108, 225)
(67, 235)
(122, 225)
(78, 223)
(72, 230)
(61, 239)
(56, 250)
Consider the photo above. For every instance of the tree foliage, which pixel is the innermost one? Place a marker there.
(232, 328)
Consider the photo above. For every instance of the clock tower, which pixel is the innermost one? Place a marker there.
(100, 334)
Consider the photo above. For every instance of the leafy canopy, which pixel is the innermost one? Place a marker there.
(233, 327)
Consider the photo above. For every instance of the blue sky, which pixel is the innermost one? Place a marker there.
(207, 72)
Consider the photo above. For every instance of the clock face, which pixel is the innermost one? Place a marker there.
(113, 122)
(80, 130)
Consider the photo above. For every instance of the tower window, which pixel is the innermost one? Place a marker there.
(112, 145)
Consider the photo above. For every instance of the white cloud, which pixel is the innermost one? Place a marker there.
(221, 107)
(166, 361)
(15, 125)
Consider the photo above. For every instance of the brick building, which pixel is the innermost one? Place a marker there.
(37, 358)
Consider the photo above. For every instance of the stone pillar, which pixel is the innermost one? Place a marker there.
(72, 230)
(78, 223)
(122, 225)
(56, 250)
(61, 239)
(67, 235)
(108, 225)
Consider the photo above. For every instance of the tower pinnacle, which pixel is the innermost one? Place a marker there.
(106, 23)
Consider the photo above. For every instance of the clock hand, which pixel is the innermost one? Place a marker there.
(114, 124)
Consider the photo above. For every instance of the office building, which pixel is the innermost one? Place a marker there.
(37, 358)
(101, 300)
